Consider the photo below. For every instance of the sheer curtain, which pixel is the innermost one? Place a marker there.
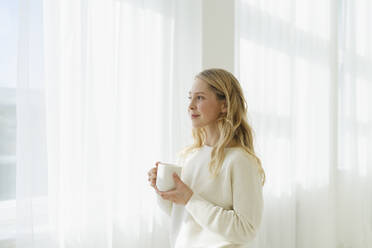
(305, 67)
(110, 102)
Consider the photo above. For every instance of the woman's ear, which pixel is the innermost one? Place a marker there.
(224, 107)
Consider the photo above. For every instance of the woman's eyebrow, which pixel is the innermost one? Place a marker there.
(200, 92)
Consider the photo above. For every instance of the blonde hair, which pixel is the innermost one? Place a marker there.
(232, 125)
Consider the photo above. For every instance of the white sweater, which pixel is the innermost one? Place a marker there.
(223, 212)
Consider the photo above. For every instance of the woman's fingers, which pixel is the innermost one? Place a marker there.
(153, 183)
(155, 169)
(152, 175)
(152, 170)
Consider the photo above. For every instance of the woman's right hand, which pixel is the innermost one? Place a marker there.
(152, 175)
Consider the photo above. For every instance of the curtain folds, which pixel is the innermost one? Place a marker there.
(116, 75)
(303, 66)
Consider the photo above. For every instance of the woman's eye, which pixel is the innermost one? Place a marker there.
(199, 97)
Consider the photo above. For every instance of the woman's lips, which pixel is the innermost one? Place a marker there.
(194, 116)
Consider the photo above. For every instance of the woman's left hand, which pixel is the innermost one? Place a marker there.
(180, 195)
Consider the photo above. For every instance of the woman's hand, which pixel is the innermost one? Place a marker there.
(180, 195)
(152, 175)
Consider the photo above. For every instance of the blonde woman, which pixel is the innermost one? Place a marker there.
(218, 200)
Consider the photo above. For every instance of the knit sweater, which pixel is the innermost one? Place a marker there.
(223, 212)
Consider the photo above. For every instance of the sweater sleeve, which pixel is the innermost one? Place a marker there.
(164, 205)
(240, 224)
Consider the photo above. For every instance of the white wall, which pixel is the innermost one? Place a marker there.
(218, 35)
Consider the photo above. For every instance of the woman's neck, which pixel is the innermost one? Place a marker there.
(213, 136)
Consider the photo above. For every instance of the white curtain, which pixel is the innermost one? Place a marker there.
(110, 102)
(306, 70)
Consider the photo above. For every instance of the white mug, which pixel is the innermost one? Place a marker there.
(164, 176)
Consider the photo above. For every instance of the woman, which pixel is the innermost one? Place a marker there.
(218, 200)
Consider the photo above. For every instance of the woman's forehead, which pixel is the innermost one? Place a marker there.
(199, 86)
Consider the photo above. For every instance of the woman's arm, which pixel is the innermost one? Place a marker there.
(240, 224)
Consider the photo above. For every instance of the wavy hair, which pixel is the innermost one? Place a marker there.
(233, 125)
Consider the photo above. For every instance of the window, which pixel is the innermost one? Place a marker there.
(8, 77)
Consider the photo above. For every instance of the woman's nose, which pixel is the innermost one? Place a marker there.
(191, 106)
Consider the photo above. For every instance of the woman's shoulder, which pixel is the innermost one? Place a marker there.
(237, 153)
(238, 157)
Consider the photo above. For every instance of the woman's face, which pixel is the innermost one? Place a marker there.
(204, 108)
